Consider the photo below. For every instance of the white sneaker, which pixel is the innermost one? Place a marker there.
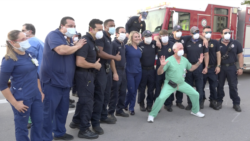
(198, 114)
(150, 119)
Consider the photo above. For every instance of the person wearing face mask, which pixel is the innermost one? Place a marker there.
(193, 50)
(136, 23)
(133, 70)
(87, 64)
(119, 86)
(231, 53)
(175, 70)
(103, 78)
(25, 94)
(148, 47)
(213, 67)
(57, 73)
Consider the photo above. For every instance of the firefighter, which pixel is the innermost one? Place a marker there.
(136, 23)
(231, 52)
(213, 67)
(192, 51)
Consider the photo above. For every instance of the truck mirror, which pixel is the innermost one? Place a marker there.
(175, 18)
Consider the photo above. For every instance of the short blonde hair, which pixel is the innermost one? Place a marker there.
(130, 38)
(12, 36)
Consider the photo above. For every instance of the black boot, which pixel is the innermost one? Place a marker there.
(213, 104)
(189, 107)
(149, 108)
(122, 114)
(219, 105)
(237, 108)
(71, 101)
(98, 130)
(202, 104)
(142, 108)
(74, 125)
(168, 108)
(112, 116)
(71, 105)
(87, 134)
(108, 121)
(180, 105)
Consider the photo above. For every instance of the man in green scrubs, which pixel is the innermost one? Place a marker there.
(175, 68)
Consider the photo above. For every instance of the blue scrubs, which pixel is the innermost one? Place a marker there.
(24, 87)
(57, 73)
(133, 73)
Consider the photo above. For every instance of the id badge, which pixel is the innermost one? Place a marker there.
(34, 61)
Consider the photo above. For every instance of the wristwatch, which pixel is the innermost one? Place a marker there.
(219, 66)
(242, 68)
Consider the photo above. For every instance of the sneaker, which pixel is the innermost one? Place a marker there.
(64, 137)
(108, 121)
(98, 130)
(112, 116)
(237, 108)
(87, 134)
(180, 105)
(189, 107)
(150, 119)
(122, 114)
(168, 108)
(198, 114)
(74, 125)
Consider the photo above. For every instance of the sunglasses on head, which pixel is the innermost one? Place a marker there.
(227, 33)
(196, 32)
(208, 32)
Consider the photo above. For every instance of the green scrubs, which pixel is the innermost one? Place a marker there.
(176, 72)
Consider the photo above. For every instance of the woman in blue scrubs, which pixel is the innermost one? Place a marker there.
(25, 94)
(133, 69)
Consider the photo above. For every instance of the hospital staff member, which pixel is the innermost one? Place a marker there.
(57, 72)
(133, 69)
(25, 94)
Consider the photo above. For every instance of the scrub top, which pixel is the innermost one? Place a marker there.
(24, 77)
(176, 72)
(133, 64)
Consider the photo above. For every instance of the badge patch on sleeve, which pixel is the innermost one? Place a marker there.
(169, 50)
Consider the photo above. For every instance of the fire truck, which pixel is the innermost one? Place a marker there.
(216, 16)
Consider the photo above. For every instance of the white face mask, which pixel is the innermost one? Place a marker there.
(227, 36)
(164, 39)
(99, 35)
(142, 19)
(24, 45)
(76, 39)
(70, 32)
(178, 34)
(148, 40)
(208, 36)
(196, 36)
(180, 52)
(121, 37)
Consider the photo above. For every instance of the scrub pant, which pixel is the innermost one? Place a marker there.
(100, 86)
(167, 90)
(35, 111)
(104, 114)
(213, 83)
(196, 76)
(133, 81)
(147, 80)
(56, 106)
(84, 107)
(229, 73)
(118, 93)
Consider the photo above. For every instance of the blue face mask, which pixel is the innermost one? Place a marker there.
(70, 32)
(112, 30)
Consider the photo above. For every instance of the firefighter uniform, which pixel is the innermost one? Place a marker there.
(133, 24)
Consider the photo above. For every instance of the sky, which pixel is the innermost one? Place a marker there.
(45, 15)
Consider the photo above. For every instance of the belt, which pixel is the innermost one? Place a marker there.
(210, 66)
(88, 70)
(147, 68)
(120, 68)
(227, 65)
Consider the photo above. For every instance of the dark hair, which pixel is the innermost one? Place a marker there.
(93, 22)
(64, 21)
(206, 27)
(108, 20)
(30, 27)
(117, 29)
(163, 32)
(224, 29)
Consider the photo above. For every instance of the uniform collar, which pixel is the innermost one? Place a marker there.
(118, 42)
(90, 36)
(106, 34)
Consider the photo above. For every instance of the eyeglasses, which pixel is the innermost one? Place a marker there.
(209, 32)
(227, 32)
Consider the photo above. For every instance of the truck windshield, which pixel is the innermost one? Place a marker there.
(155, 20)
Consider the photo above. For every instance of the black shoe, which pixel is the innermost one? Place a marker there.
(74, 125)
(64, 137)
(219, 105)
(98, 130)
(149, 108)
(75, 94)
(180, 105)
(71, 105)
(71, 101)
(87, 134)
(126, 109)
(189, 107)
(108, 121)
(237, 108)
(168, 108)
(122, 114)
(202, 104)
(112, 116)
(213, 104)
(132, 113)
(29, 125)
(142, 108)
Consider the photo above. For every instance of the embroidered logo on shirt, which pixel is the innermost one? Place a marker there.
(189, 46)
(220, 46)
(232, 45)
(212, 45)
(200, 45)
(119, 47)
(108, 41)
(142, 47)
(169, 50)
(153, 46)
(182, 41)
(135, 22)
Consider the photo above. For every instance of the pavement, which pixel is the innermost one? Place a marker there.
(179, 125)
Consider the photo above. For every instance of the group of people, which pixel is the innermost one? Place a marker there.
(107, 74)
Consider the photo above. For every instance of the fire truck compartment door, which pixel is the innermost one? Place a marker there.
(246, 52)
(203, 20)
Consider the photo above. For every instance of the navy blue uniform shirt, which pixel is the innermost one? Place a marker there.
(148, 54)
(236, 49)
(88, 50)
(118, 46)
(133, 64)
(134, 25)
(105, 42)
(193, 50)
(59, 69)
(214, 47)
(166, 50)
(183, 40)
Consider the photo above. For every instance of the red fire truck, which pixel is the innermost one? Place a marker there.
(216, 16)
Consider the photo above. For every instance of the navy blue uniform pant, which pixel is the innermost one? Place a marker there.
(56, 106)
(212, 79)
(84, 107)
(35, 111)
(228, 73)
(133, 81)
(107, 93)
(147, 80)
(118, 93)
(197, 77)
